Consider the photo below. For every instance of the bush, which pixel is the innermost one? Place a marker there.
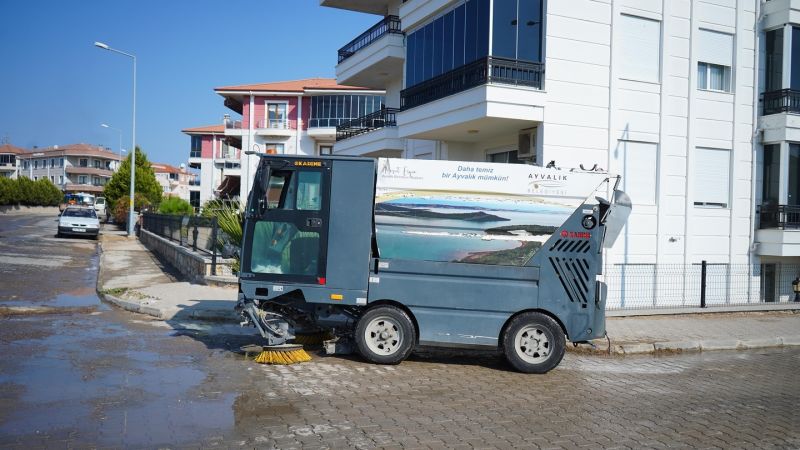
(9, 191)
(45, 193)
(230, 219)
(120, 211)
(25, 186)
(175, 206)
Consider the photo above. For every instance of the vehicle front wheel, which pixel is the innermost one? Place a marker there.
(385, 335)
(534, 343)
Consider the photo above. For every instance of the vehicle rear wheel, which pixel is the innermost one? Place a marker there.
(534, 343)
(385, 335)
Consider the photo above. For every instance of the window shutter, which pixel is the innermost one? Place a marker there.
(715, 48)
(639, 41)
(637, 163)
(712, 177)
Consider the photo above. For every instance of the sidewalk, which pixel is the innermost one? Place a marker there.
(133, 279)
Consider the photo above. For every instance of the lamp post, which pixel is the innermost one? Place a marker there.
(119, 149)
(133, 133)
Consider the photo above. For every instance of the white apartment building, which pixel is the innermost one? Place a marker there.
(9, 160)
(73, 168)
(667, 94)
(174, 181)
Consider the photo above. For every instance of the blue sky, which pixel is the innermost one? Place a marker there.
(57, 88)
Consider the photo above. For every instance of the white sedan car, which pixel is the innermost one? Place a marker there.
(80, 221)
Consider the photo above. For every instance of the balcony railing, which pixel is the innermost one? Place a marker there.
(782, 101)
(384, 117)
(487, 70)
(280, 124)
(389, 24)
(232, 124)
(195, 154)
(194, 182)
(779, 216)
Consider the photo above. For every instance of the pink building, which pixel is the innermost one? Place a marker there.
(217, 157)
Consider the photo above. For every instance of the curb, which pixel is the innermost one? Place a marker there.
(601, 347)
(211, 315)
(221, 281)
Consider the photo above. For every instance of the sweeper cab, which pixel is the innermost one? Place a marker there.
(386, 255)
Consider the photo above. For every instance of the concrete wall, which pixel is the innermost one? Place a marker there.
(193, 266)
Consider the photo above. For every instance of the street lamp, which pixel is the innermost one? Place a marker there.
(133, 133)
(120, 136)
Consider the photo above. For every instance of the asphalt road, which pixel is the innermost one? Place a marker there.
(103, 377)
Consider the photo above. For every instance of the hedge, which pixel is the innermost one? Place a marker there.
(24, 191)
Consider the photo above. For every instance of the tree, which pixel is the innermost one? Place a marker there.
(25, 188)
(9, 193)
(146, 184)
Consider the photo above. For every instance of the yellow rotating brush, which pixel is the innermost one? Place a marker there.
(279, 354)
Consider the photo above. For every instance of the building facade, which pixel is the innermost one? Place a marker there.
(666, 94)
(9, 160)
(73, 168)
(217, 158)
(174, 181)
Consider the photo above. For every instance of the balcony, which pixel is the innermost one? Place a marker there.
(486, 98)
(779, 230)
(275, 127)
(374, 57)
(372, 135)
(782, 101)
(384, 117)
(86, 170)
(365, 6)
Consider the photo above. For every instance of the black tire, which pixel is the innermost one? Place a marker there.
(534, 343)
(392, 347)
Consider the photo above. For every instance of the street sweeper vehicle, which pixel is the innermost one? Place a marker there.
(389, 254)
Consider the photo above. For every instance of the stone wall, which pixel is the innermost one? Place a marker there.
(194, 266)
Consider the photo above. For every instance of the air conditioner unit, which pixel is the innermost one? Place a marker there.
(527, 144)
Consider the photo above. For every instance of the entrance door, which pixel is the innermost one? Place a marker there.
(287, 226)
(768, 288)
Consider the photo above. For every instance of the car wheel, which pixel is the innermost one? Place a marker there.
(534, 343)
(385, 335)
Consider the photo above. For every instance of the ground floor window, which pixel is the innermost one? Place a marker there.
(194, 198)
(504, 157)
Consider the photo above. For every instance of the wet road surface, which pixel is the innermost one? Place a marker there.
(112, 378)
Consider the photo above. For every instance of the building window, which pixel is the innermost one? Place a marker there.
(325, 150)
(53, 179)
(194, 198)
(83, 162)
(36, 164)
(715, 59)
(197, 147)
(96, 181)
(639, 43)
(60, 162)
(98, 164)
(25, 164)
(52, 162)
(108, 165)
(273, 149)
(8, 159)
(83, 179)
(276, 115)
(458, 37)
(711, 177)
(61, 179)
(516, 29)
(637, 163)
(331, 110)
(503, 157)
(232, 165)
(793, 192)
(773, 69)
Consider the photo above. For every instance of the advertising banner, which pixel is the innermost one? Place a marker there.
(473, 212)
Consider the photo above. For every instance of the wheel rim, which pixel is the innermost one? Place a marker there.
(383, 336)
(532, 344)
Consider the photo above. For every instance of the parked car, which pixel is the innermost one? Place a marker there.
(79, 199)
(78, 221)
(100, 208)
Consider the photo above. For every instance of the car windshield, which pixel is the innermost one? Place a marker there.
(79, 213)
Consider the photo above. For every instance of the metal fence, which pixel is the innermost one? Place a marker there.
(200, 234)
(702, 285)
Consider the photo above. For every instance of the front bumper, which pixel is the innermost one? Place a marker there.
(78, 231)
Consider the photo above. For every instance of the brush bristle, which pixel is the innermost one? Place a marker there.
(312, 339)
(283, 357)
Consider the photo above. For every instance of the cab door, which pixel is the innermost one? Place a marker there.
(287, 222)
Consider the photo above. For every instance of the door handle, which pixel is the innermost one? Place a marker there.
(314, 222)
